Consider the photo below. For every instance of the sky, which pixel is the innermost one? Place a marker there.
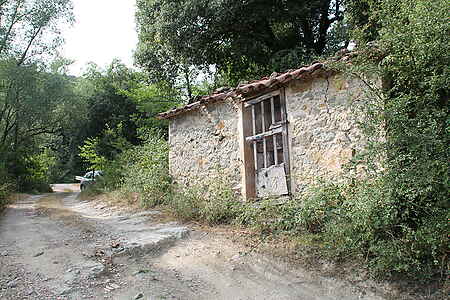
(104, 30)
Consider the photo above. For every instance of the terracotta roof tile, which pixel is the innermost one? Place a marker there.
(276, 79)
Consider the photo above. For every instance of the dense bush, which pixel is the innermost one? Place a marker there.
(5, 190)
(141, 171)
(5, 186)
(37, 175)
(399, 218)
(213, 203)
(186, 204)
(362, 220)
(27, 173)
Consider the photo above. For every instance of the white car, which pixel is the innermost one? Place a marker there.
(88, 178)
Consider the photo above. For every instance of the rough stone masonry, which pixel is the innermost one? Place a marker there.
(206, 142)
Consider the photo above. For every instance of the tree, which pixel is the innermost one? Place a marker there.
(152, 99)
(365, 19)
(106, 106)
(29, 30)
(33, 108)
(241, 38)
(29, 92)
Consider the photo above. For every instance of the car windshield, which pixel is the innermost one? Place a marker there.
(91, 174)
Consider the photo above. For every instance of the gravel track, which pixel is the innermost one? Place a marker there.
(55, 246)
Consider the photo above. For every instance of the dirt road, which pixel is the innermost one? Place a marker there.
(55, 246)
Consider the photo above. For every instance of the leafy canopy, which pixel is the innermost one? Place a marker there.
(242, 38)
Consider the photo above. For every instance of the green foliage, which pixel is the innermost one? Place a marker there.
(5, 190)
(220, 205)
(36, 178)
(364, 18)
(187, 204)
(6, 186)
(267, 216)
(238, 37)
(45, 162)
(416, 38)
(119, 105)
(108, 107)
(32, 103)
(361, 220)
(322, 206)
(152, 99)
(214, 203)
(396, 218)
(27, 172)
(141, 171)
(90, 153)
(30, 29)
(146, 171)
(31, 94)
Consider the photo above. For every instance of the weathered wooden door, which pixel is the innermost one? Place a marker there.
(269, 142)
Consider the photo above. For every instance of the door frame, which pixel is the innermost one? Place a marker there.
(247, 150)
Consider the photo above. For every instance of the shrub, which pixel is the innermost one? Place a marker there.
(33, 172)
(5, 190)
(397, 217)
(361, 220)
(267, 216)
(187, 204)
(321, 206)
(213, 203)
(5, 186)
(146, 171)
(220, 204)
(140, 170)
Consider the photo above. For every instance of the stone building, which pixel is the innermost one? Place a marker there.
(270, 137)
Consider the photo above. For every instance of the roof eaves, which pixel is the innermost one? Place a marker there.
(253, 87)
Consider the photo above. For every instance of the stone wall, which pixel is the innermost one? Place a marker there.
(204, 145)
(323, 134)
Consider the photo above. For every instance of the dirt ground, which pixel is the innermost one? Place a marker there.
(56, 246)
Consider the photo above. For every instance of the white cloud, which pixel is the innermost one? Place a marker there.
(104, 30)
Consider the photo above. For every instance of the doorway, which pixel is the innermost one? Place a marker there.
(267, 137)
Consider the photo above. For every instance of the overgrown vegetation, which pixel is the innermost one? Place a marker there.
(242, 39)
(393, 216)
(5, 190)
(212, 202)
(33, 93)
(399, 218)
(143, 171)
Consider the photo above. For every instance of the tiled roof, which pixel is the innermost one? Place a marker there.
(266, 83)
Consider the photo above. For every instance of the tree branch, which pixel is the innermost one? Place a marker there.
(14, 21)
(24, 54)
(8, 126)
(6, 103)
